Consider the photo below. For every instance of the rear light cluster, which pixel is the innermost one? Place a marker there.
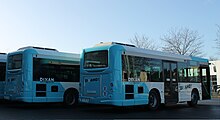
(111, 84)
(111, 89)
(107, 92)
(104, 91)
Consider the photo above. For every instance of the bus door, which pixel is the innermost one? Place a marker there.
(170, 82)
(205, 80)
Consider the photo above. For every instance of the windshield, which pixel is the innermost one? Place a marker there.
(15, 62)
(96, 59)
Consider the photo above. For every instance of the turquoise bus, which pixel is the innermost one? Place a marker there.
(124, 75)
(35, 74)
(3, 57)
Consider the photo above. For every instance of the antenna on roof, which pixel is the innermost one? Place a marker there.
(114, 43)
(41, 48)
(124, 44)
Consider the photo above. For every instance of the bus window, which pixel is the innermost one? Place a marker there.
(141, 66)
(143, 76)
(204, 76)
(156, 72)
(193, 71)
(193, 74)
(141, 69)
(124, 68)
(182, 72)
(134, 68)
(97, 59)
(54, 70)
(15, 61)
(131, 72)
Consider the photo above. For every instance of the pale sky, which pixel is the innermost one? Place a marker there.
(71, 25)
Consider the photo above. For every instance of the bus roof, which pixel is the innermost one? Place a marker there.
(40, 48)
(133, 50)
(48, 53)
(113, 43)
(200, 59)
(155, 54)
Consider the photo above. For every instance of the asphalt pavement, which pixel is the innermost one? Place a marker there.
(208, 109)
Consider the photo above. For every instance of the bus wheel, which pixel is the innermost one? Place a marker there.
(194, 99)
(154, 101)
(71, 97)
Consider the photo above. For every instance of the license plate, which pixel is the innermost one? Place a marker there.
(85, 100)
(6, 97)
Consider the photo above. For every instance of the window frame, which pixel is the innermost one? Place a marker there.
(55, 71)
(100, 51)
(12, 63)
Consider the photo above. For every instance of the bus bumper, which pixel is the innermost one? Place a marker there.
(16, 98)
(91, 100)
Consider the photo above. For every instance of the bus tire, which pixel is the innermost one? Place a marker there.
(71, 97)
(154, 100)
(194, 99)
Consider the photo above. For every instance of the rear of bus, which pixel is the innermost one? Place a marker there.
(100, 75)
(14, 85)
(42, 75)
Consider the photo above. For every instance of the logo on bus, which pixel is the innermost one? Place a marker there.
(92, 79)
(46, 79)
(186, 86)
(134, 80)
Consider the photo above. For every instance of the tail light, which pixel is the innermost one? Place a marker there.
(111, 84)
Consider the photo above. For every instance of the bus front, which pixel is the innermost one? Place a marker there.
(100, 75)
(14, 73)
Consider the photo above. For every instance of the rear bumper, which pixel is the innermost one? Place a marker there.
(17, 98)
(117, 102)
(1, 95)
(33, 99)
(104, 101)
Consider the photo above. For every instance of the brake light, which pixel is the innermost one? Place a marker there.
(104, 93)
(104, 88)
(111, 84)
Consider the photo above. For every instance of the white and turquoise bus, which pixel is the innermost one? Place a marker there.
(3, 57)
(35, 74)
(123, 75)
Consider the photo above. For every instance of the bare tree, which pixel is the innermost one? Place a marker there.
(183, 41)
(218, 37)
(143, 42)
(211, 58)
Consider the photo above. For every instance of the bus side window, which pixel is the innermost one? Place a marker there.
(124, 68)
(182, 72)
(143, 76)
(125, 76)
(193, 74)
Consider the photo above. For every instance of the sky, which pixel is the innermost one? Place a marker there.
(72, 25)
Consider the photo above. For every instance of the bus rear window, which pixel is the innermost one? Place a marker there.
(96, 59)
(15, 61)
